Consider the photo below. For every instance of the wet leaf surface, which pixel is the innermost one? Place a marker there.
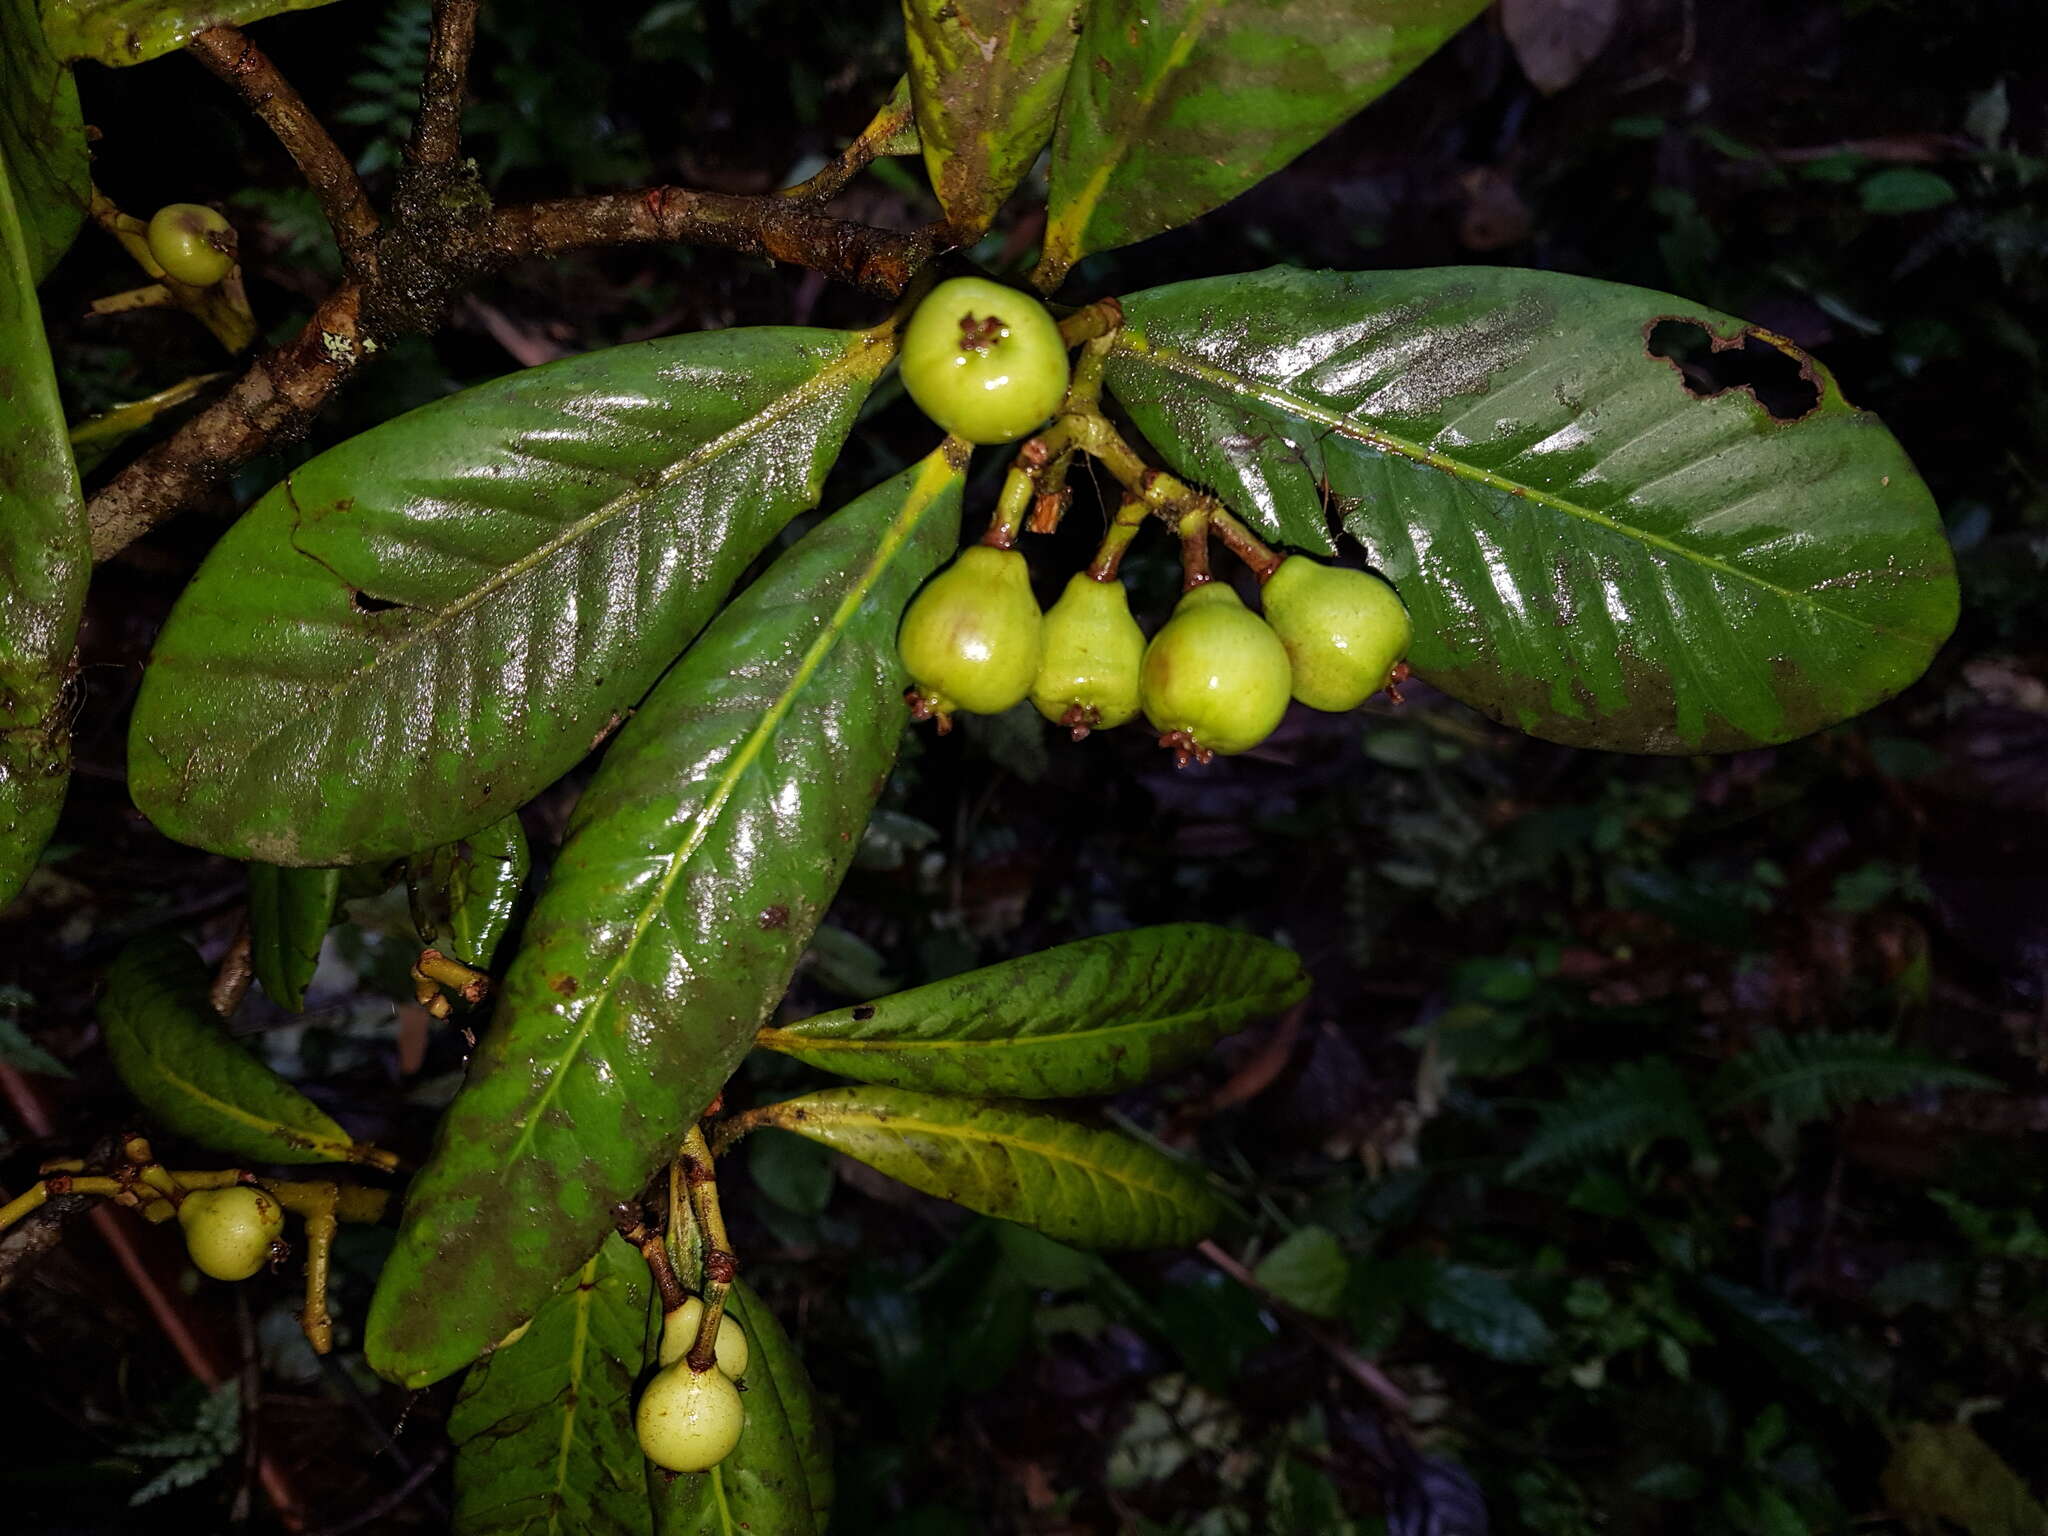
(1590, 551)
(42, 145)
(463, 893)
(290, 911)
(1093, 1017)
(419, 629)
(697, 865)
(44, 562)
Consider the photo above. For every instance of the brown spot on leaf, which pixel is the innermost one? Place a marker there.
(774, 917)
(565, 985)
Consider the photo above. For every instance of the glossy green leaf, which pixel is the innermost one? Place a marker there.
(117, 32)
(290, 911)
(463, 893)
(1174, 107)
(697, 864)
(543, 1430)
(986, 77)
(1097, 1016)
(1590, 552)
(421, 628)
(172, 1053)
(766, 1484)
(42, 148)
(1093, 1188)
(44, 561)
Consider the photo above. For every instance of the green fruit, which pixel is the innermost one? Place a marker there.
(679, 1333)
(689, 1421)
(1088, 675)
(193, 243)
(1343, 630)
(970, 639)
(984, 361)
(229, 1231)
(1216, 678)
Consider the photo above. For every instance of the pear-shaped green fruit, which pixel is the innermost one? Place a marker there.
(1216, 677)
(1093, 648)
(192, 242)
(970, 639)
(1343, 630)
(679, 1335)
(229, 1231)
(984, 361)
(689, 1421)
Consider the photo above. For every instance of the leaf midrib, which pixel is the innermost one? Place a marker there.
(922, 493)
(794, 1033)
(579, 1345)
(291, 1135)
(1350, 427)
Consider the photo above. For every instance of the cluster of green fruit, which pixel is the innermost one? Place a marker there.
(1215, 679)
(689, 1420)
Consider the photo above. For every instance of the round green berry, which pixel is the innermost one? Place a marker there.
(689, 1421)
(229, 1231)
(1216, 677)
(970, 639)
(1343, 630)
(193, 243)
(984, 361)
(1088, 675)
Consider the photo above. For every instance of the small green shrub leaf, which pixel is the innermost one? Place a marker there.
(463, 893)
(1174, 107)
(1308, 1270)
(1481, 1310)
(172, 1053)
(777, 1480)
(44, 561)
(42, 151)
(986, 77)
(543, 1430)
(117, 32)
(290, 911)
(696, 866)
(1092, 1188)
(418, 630)
(1591, 552)
(1093, 1017)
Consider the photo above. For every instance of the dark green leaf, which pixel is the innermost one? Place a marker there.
(1481, 1311)
(290, 911)
(171, 1052)
(42, 148)
(1308, 1270)
(794, 1173)
(119, 32)
(1173, 107)
(1807, 1077)
(1905, 189)
(696, 866)
(419, 629)
(1097, 1016)
(44, 561)
(543, 1430)
(463, 892)
(1793, 1344)
(765, 1487)
(1097, 1189)
(1636, 1104)
(1590, 552)
(986, 78)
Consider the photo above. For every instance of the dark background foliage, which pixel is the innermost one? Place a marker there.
(1589, 1135)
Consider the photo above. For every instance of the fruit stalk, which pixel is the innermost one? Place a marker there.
(700, 1176)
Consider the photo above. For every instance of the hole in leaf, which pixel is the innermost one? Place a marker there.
(1780, 381)
(362, 602)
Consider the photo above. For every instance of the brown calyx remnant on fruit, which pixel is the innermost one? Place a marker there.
(980, 335)
(1186, 749)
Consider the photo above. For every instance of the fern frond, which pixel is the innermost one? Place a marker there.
(1636, 1104)
(1808, 1077)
